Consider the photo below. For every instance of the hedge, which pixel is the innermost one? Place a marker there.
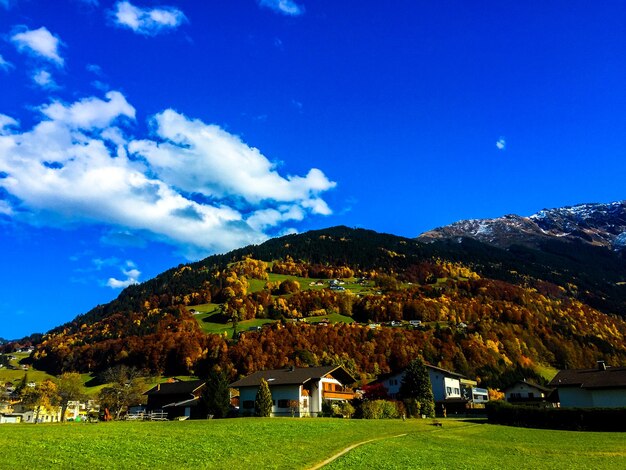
(573, 419)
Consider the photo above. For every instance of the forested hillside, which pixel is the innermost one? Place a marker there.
(485, 312)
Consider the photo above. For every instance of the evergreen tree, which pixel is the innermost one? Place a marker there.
(263, 401)
(416, 387)
(216, 395)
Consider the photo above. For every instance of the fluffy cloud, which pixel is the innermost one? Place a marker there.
(4, 64)
(204, 159)
(44, 80)
(132, 277)
(286, 7)
(39, 42)
(147, 21)
(195, 185)
(6, 122)
(501, 143)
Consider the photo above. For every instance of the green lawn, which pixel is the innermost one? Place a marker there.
(221, 328)
(483, 446)
(332, 318)
(302, 443)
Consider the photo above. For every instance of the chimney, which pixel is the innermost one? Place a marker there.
(601, 365)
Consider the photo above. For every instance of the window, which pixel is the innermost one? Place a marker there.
(449, 390)
(248, 404)
(531, 395)
(516, 395)
(305, 403)
(456, 391)
(283, 403)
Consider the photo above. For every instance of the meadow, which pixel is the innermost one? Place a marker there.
(304, 443)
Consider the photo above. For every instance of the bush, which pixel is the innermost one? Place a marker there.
(573, 419)
(413, 408)
(379, 409)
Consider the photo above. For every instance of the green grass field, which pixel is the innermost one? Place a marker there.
(303, 443)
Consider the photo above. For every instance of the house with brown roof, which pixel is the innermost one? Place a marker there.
(177, 399)
(296, 391)
(602, 387)
(528, 393)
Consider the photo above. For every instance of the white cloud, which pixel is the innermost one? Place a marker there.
(204, 159)
(6, 122)
(501, 143)
(196, 186)
(286, 7)
(5, 64)
(91, 112)
(44, 79)
(147, 21)
(5, 208)
(132, 277)
(39, 42)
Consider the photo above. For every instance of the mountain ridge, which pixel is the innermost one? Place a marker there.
(598, 224)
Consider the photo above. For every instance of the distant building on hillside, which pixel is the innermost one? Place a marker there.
(602, 387)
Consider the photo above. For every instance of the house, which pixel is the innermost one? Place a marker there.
(603, 387)
(453, 391)
(10, 418)
(177, 398)
(43, 415)
(528, 393)
(296, 391)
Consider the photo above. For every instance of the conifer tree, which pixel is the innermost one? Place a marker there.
(216, 394)
(263, 401)
(416, 387)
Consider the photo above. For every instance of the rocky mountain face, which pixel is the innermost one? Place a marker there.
(594, 224)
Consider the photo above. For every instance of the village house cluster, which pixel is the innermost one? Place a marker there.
(303, 392)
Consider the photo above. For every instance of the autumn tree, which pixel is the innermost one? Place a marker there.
(416, 388)
(125, 388)
(70, 388)
(216, 395)
(44, 396)
(263, 400)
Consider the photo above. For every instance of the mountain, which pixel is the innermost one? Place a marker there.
(497, 311)
(601, 225)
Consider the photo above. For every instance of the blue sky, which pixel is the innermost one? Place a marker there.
(138, 135)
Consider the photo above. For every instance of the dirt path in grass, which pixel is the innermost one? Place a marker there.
(348, 449)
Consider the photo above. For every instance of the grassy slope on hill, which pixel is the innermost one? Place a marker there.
(302, 443)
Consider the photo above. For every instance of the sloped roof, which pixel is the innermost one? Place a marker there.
(294, 376)
(611, 377)
(382, 377)
(530, 384)
(176, 388)
(184, 403)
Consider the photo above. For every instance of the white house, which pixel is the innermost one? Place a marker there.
(10, 418)
(296, 391)
(602, 387)
(526, 392)
(450, 389)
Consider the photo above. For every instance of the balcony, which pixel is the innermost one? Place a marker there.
(337, 395)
